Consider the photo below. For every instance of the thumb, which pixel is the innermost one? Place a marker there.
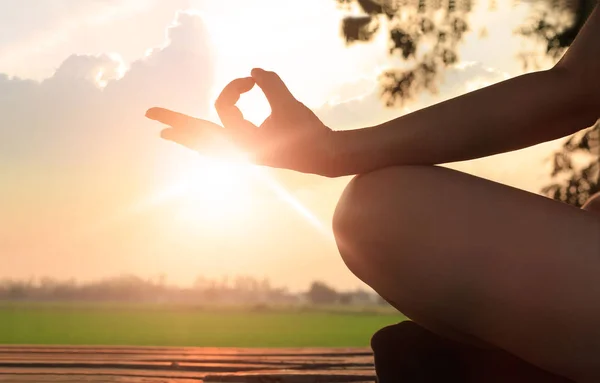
(277, 93)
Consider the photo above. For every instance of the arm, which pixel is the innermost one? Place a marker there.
(514, 114)
(511, 115)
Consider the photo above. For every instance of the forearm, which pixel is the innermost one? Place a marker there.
(511, 115)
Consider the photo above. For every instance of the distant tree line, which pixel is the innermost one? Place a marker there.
(130, 288)
(320, 293)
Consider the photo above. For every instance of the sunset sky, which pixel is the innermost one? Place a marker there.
(88, 189)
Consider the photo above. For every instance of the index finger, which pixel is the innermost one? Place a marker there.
(176, 119)
(231, 116)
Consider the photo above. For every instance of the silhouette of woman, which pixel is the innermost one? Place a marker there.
(482, 264)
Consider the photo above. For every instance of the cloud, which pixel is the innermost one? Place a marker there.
(98, 70)
(91, 104)
(36, 36)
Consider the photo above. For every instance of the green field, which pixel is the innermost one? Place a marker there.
(154, 325)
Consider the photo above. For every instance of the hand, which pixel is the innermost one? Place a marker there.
(292, 137)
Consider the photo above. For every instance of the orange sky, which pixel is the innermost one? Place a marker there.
(89, 190)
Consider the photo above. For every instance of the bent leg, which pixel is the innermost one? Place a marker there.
(479, 260)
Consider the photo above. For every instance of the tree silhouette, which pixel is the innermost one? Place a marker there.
(424, 36)
(555, 24)
(575, 183)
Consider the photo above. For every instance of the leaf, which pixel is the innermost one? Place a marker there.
(359, 28)
(370, 7)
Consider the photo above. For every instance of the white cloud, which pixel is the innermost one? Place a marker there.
(51, 120)
(37, 35)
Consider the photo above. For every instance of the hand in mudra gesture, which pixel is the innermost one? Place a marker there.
(292, 137)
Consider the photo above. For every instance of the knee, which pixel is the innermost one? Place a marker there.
(346, 222)
(349, 221)
(346, 217)
(368, 206)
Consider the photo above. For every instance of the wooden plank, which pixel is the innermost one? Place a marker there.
(184, 364)
(86, 379)
(329, 376)
(341, 351)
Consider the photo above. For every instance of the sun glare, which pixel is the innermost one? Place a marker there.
(214, 191)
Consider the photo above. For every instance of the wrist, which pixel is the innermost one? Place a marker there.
(344, 154)
(330, 164)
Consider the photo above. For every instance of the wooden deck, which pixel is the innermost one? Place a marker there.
(184, 365)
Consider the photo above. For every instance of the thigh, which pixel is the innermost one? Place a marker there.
(514, 269)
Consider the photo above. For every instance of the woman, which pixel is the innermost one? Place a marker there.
(485, 265)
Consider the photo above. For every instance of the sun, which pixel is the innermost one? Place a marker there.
(212, 192)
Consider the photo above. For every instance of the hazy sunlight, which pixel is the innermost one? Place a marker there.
(213, 189)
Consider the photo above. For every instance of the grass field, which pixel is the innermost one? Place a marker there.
(154, 325)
